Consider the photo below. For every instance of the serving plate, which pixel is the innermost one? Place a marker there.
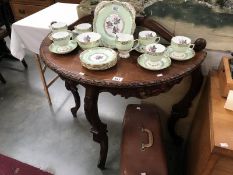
(98, 58)
(111, 17)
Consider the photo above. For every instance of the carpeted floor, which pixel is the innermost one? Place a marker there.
(9, 166)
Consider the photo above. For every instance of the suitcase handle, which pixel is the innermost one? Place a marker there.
(151, 139)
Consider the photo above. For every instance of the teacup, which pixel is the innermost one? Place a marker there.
(155, 51)
(88, 40)
(82, 28)
(61, 38)
(147, 37)
(181, 43)
(75, 34)
(124, 44)
(58, 26)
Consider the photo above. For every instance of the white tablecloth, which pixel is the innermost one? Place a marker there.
(29, 32)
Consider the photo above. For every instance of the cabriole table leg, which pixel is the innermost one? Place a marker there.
(181, 109)
(99, 129)
(71, 86)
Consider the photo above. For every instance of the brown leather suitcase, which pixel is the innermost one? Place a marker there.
(142, 151)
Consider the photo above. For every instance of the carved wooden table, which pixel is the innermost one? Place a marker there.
(137, 82)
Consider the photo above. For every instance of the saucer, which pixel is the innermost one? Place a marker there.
(63, 49)
(180, 56)
(98, 58)
(75, 31)
(140, 49)
(148, 63)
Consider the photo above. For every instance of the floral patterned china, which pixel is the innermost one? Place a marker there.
(99, 58)
(146, 37)
(155, 51)
(140, 48)
(58, 26)
(124, 44)
(63, 49)
(88, 40)
(180, 56)
(82, 28)
(75, 34)
(113, 17)
(181, 43)
(146, 62)
(60, 38)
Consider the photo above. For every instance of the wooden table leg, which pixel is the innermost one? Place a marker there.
(2, 79)
(42, 68)
(43, 78)
(71, 86)
(99, 129)
(24, 64)
(181, 109)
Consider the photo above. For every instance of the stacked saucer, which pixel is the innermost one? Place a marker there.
(98, 58)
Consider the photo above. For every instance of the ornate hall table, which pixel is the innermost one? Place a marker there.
(136, 81)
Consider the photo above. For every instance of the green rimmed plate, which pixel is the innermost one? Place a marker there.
(63, 49)
(180, 56)
(98, 58)
(146, 62)
(113, 17)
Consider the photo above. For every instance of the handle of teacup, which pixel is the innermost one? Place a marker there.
(71, 34)
(101, 43)
(136, 45)
(50, 26)
(157, 39)
(192, 46)
(166, 54)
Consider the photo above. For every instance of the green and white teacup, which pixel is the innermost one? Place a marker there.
(147, 37)
(155, 51)
(82, 28)
(58, 26)
(124, 44)
(61, 38)
(181, 43)
(88, 40)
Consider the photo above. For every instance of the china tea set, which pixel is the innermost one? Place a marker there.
(113, 28)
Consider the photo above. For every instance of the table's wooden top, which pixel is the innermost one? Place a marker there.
(221, 119)
(133, 75)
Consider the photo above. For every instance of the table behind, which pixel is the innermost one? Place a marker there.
(29, 32)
